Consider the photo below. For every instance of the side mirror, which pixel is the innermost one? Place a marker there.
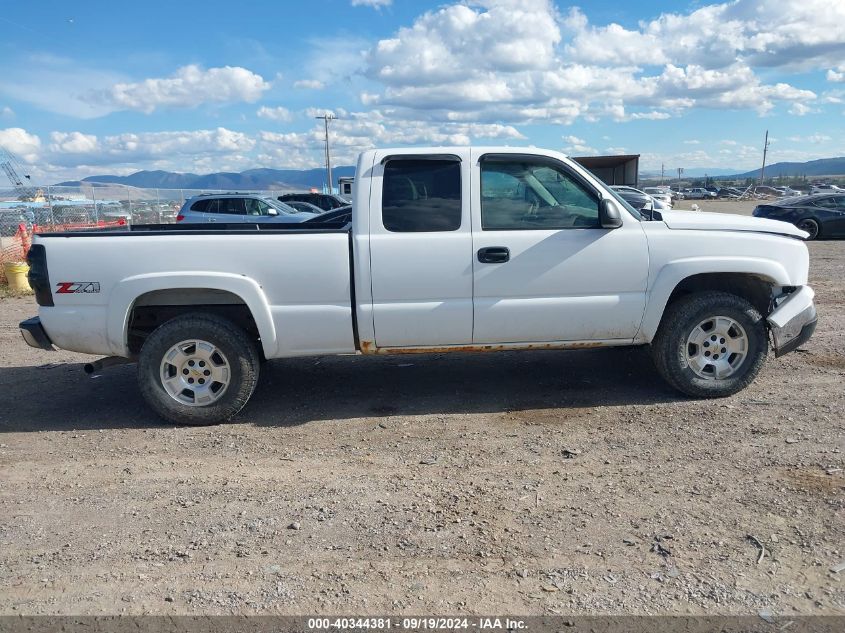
(648, 210)
(610, 215)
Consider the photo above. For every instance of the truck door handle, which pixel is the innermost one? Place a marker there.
(494, 254)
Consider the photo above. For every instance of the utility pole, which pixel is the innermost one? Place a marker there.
(662, 171)
(680, 171)
(765, 149)
(326, 118)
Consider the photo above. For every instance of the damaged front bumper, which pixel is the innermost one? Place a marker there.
(793, 321)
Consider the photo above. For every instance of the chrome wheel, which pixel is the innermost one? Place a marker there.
(195, 373)
(716, 348)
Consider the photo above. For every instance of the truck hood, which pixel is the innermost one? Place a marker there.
(702, 221)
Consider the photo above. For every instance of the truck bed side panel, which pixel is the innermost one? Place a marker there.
(297, 285)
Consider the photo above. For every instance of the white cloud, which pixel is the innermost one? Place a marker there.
(309, 84)
(799, 109)
(353, 132)
(815, 139)
(73, 143)
(692, 142)
(836, 75)
(376, 4)
(189, 86)
(457, 40)
(573, 140)
(26, 146)
(7, 113)
(522, 61)
(274, 114)
(653, 115)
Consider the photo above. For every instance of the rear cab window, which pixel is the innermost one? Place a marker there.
(421, 195)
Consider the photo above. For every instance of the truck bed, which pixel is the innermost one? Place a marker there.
(296, 280)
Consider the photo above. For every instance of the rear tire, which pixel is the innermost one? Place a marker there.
(200, 348)
(811, 226)
(710, 344)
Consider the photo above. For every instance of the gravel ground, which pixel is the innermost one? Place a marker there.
(525, 482)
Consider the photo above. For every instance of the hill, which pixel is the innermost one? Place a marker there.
(245, 180)
(821, 167)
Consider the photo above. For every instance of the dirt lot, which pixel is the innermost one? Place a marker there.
(526, 482)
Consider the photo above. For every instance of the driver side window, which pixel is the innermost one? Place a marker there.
(519, 195)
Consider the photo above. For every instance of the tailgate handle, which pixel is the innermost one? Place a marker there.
(494, 254)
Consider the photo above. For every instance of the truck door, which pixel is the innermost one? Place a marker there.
(421, 250)
(544, 269)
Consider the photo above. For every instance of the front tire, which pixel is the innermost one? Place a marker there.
(710, 344)
(198, 369)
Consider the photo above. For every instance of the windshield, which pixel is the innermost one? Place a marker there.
(281, 207)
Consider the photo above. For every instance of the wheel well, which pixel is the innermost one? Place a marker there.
(756, 290)
(152, 309)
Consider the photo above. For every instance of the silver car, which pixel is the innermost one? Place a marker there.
(238, 207)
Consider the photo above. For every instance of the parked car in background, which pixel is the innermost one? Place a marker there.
(729, 192)
(341, 215)
(238, 207)
(699, 193)
(820, 215)
(115, 212)
(325, 201)
(788, 191)
(659, 194)
(820, 187)
(307, 207)
(636, 198)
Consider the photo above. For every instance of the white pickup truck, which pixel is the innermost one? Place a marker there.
(448, 250)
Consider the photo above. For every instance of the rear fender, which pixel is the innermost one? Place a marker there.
(127, 291)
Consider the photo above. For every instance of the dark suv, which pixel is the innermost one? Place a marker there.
(327, 202)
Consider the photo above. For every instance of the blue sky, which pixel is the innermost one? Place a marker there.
(104, 87)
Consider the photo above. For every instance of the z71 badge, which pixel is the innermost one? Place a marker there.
(76, 287)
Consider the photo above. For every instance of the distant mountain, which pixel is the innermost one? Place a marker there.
(689, 172)
(249, 179)
(821, 167)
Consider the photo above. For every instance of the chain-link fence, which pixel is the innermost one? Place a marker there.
(55, 208)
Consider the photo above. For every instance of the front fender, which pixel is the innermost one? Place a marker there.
(127, 291)
(673, 273)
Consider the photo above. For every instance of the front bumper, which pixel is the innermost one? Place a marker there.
(793, 321)
(34, 335)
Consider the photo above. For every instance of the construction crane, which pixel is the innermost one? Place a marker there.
(9, 163)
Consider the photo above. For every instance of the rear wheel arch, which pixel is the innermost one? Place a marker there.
(155, 308)
(234, 297)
